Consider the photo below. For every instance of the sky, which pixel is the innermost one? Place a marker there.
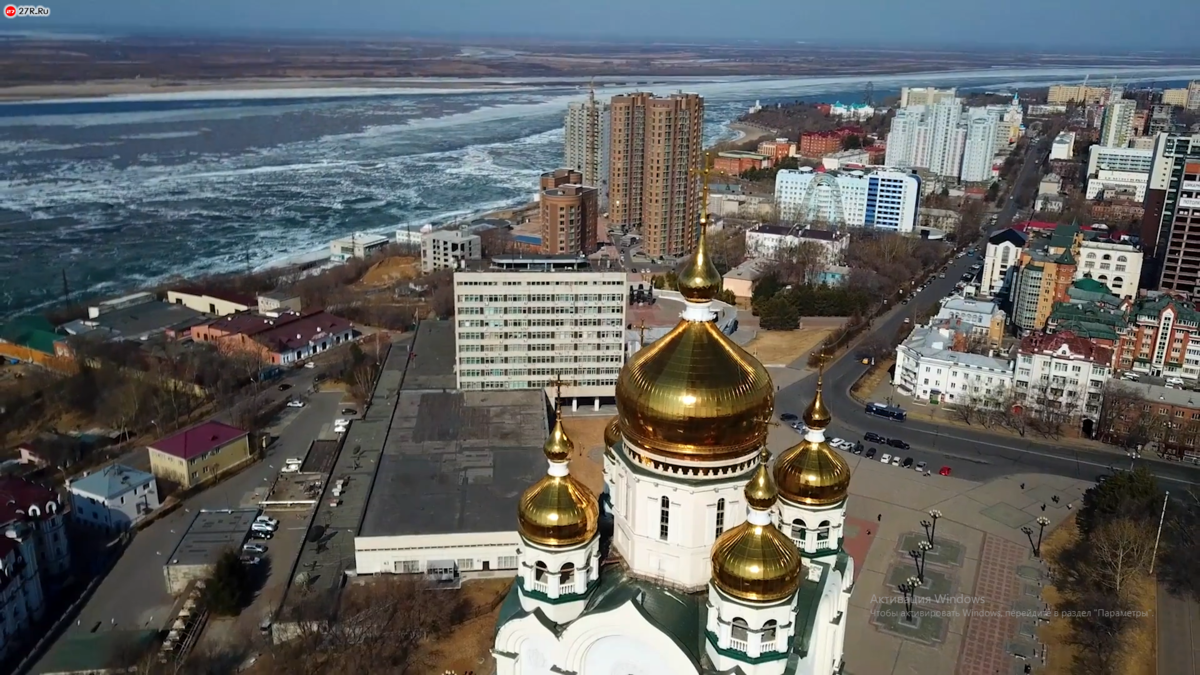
(1048, 25)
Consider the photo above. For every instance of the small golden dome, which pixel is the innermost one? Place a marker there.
(817, 416)
(612, 432)
(695, 394)
(812, 473)
(558, 510)
(699, 280)
(755, 561)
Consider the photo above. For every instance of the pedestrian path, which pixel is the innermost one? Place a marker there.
(992, 624)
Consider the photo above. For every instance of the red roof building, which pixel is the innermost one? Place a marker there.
(195, 441)
(284, 339)
(39, 511)
(200, 453)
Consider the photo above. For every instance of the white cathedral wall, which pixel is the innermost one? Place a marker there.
(682, 557)
(544, 587)
(813, 517)
(722, 613)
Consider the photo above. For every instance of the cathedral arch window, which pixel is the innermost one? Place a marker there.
(740, 632)
(664, 518)
(823, 533)
(798, 530)
(720, 517)
(539, 571)
(769, 630)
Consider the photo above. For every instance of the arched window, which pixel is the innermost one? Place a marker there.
(1091, 256)
(1117, 281)
(798, 530)
(720, 517)
(768, 634)
(34, 512)
(539, 571)
(1102, 277)
(1107, 257)
(1122, 258)
(823, 532)
(740, 629)
(566, 575)
(664, 518)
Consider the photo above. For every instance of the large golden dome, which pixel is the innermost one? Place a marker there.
(558, 510)
(811, 472)
(755, 561)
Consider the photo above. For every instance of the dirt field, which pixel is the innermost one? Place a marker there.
(1140, 656)
(467, 647)
(784, 347)
(588, 463)
(390, 271)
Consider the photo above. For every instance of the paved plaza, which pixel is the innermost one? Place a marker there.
(974, 613)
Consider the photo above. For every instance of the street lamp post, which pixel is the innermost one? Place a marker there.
(1134, 456)
(918, 557)
(1042, 522)
(909, 590)
(931, 524)
(925, 547)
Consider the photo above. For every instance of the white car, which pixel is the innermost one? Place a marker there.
(295, 403)
(290, 468)
(896, 461)
(921, 467)
(267, 520)
(257, 549)
(839, 443)
(262, 527)
(886, 459)
(310, 364)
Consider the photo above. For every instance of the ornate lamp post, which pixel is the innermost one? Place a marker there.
(925, 547)
(931, 531)
(918, 557)
(909, 589)
(1042, 522)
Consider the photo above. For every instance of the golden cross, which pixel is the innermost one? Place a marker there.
(642, 333)
(822, 358)
(558, 395)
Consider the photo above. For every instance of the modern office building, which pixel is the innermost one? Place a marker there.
(1171, 225)
(1117, 128)
(1063, 146)
(924, 96)
(569, 210)
(980, 146)
(586, 143)
(655, 143)
(447, 249)
(529, 322)
(882, 198)
(1119, 159)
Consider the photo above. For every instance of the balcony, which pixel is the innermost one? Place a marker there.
(738, 645)
(539, 587)
(566, 589)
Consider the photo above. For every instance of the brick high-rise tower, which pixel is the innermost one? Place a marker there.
(656, 143)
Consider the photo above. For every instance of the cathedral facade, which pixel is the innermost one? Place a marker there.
(703, 555)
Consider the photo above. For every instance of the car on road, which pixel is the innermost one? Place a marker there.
(871, 453)
(945, 471)
(908, 462)
(290, 468)
(788, 417)
(256, 549)
(262, 527)
(886, 459)
(268, 519)
(897, 443)
(942, 275)
(896, 460)
(285, 386)
(251, 559)
(310, 364)
(295, 403)
(872, 437)
(349, 411)
(261, 534)
(921, 466)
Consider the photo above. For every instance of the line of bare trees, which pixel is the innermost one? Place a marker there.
(1042, 411)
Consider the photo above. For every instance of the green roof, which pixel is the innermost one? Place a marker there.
(1091, 285)
(34, 332)
(1064, 236)
(1153, 306)
(1066, 258)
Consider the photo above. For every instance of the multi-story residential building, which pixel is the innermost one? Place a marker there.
(1175, 97)
(22, 596)
(525, 323)
(980, 146)
(569, 213)
(908, 139)
(1063, 373)
(981, 318)
(948, 138)
(448, 249)
(771, 241)
(1092, 312)
(734, 162)
(1116, 265)
(882, 198)
(1163, 339)
(1003, 250)
(1162, 120)
(817, 144)
(1045, 274)
(1063, 146)
(1193, 95)
(1119, 159)
(586, 143)
(113, 499)
(1117, 127)
(200, 453)
(1061, 94)
(655, 145)
(1171, 224)
(1168, 417)
(922, 96)
(929, 369)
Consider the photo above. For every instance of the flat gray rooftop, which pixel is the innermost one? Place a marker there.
(457, 462)
(432, 362)
(149, 318)
(210, 534)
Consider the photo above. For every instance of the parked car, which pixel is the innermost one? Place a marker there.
(290, 468)
(886, 459)
(268, 520)
(295, 403)
(251, 559)
(871, 453)
(908, 462)
(788, 417)
(349, 411)
(257, 549)
(897, 443)
(262, 527)
(872, 437)
(921, 466)
(285, 386)
(896, 460)
(945, 471)
(261, 534)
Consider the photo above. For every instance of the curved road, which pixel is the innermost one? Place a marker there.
(970, 453)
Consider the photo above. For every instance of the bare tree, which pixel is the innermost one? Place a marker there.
(1120, 412)
(1100, 623)
(969, 409)
(801, 264)
(1013, 415)
(1121, 551)
(727, 248)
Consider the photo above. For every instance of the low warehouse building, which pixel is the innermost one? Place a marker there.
(207, 538)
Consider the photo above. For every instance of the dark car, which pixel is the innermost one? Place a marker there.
(285, 386)
(857, 449)
(788, 417)
(908, 462)
(259, 534)
(872, 437)
(870, 453)
(897, 443)
(349, 411)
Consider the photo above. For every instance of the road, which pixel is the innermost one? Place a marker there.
(133, 595)
(971, 454)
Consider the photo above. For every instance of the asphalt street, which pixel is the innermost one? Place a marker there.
(971, 454)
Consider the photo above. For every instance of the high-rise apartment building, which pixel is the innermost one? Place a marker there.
(980, 146)
(569, 211)
(656, 142)
(529, 322)
(884, 199)
(586, 143)
(1175, 97)
(948, 137)
(1117, 128)
(1061, 94)
(925, 96)
(1193, 95)
(1171, 226)
(905, 147)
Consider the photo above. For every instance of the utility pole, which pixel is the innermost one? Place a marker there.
(66, 288)
(1162, 517)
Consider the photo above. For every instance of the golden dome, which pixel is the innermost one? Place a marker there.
(699, 280)
(811, 472)
(817, 416)
(558, 510)
(695, 394)
(755, 561)
(612, 432)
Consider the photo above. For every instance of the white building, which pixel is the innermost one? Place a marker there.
(984, 318)
(524, 323)
(770, 241)
(1062, 371)
(980, 146)
(586, 140)
(448, 249)
(1117, 184)
(1063, 146)
(721, 564)
(357, 245)
(853, 111)
(1117, 128)
(114, 498)
(915, 96)
(1002, 252)
(907, 140)
(1118, 266)
(208, 303)
(846, 159)
(882, 198)
(1119, 159)
(928, 369)
(948, 138)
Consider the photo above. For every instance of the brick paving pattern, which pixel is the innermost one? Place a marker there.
(857, 541)
(985, 645)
